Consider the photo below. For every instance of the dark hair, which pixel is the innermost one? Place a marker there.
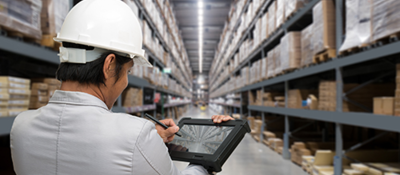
(91, 72)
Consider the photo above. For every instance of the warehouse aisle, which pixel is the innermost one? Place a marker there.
(249, 157)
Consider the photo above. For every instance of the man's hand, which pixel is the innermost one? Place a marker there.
(221, 118)
(167, 134)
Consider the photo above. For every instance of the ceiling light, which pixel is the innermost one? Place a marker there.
(200, 4)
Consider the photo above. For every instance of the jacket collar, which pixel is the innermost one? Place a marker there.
(77, 98)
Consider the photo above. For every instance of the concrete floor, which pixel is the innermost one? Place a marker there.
(250, 157)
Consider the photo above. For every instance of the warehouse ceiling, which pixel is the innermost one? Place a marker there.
(215, 15)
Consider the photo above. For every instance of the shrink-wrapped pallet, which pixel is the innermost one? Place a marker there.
(271, 64)
(264, 68)
(358, 23)
(22, 16)
(280, 12)
(291, 6)
(277, 58)
(53, 15)
(290, 51)
(271, 18)
(385, 18)
(245, 75)
(324, 26)
(264, 27)
(306, 46)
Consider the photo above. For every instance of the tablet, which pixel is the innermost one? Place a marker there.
(205, 143)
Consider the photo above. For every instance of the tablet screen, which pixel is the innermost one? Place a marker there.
(201, 138)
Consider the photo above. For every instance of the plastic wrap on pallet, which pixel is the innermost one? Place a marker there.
(53, 15)
(324, 29)
(385, 18)
(264, 27)
(358, 22)
(291, 6)
(271, 64)
(22, 16)
(290, 51)
(264, 68)
(245, 74)
(278, 59)
(280, 12)
(306, 46)
(271, 18)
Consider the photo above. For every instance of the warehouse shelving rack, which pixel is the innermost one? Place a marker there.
(42, 54)
(367, 120)
(143, 14)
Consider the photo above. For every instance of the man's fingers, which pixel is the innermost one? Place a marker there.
(221, 118)
(168, 122)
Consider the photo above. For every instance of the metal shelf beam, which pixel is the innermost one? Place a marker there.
(29, 50)
(382, 122)
(6, 124)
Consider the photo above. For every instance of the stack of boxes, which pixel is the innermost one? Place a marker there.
(52, 17)
(306, 46)
(14, 95)
(397, 93)
(42, 90)
(363, 96)
(290, 51)
(39, 95)
(324, 30)
(22, 17)
(297, 96)
(132, 97)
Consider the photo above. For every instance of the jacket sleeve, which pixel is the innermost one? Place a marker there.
(151, 156)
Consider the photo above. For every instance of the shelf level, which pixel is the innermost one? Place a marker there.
(389, 123)
(375, 53)
(168, 105)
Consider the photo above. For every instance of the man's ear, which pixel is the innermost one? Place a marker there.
(109, 66)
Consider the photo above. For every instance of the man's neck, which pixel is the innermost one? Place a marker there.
(86, 88)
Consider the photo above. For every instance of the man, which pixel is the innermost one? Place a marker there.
(76, 133)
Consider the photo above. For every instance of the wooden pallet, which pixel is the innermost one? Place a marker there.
(48, 41)
(324, 56)
(385, 40)
(18, 35)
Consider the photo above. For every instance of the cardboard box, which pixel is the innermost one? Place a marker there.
(324, 26)
(384, 105)
(19, 91)
(4, 113)
(42, 98)
(40, 86)
(4, 96)
(10, 79)
(15, 112)
(290, 49)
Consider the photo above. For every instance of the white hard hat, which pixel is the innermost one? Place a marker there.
(109, 25)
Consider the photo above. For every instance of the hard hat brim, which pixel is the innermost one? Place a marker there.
(142, 61)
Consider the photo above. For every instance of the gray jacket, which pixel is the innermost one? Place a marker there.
(77, 134)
